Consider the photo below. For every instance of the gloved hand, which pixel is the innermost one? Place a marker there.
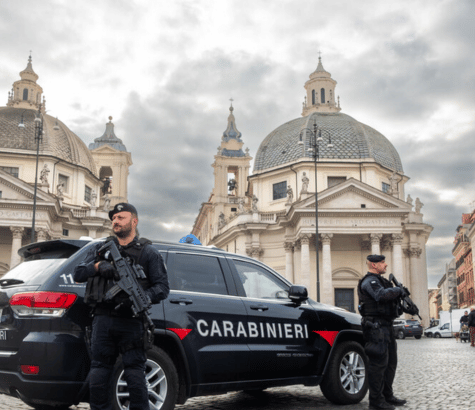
(106, 270)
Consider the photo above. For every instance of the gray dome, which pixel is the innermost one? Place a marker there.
(350, 138)
(58, 140)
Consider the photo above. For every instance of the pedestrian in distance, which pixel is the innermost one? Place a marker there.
(471, 326)
(115, 329)
(379, 304)
(464, 319)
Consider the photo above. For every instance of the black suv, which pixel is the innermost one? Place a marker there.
(229, 323)
(407, 328)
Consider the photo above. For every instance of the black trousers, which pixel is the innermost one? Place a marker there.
(112, 335)
(381, 349)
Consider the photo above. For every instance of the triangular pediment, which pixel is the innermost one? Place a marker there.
(18, 190)
(353, 194)
(104, 149)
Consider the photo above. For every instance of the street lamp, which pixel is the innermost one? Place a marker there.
(38, 139)
(314, 148)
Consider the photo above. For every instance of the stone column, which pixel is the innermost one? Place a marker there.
(41, 235)
(16, 245)
(305, 261)
(326, 279)
(289, 266)
(375, 241)
(398, 270)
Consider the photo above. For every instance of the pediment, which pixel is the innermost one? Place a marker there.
(353, 194)
(105, 149)
(18, 190)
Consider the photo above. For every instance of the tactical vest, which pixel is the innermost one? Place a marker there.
(97, 286)
(369, 307)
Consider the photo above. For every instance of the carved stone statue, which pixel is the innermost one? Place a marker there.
(221, 220)
(419, 205)
(409, 200)
(394, 180)
(290, 195)
(93, 197)
(107, 203)
(59, 190)
(305, 182)
(44, 174)
(254, 203)
(241, 205)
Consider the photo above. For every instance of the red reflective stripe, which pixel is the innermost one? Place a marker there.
(29, 369)
(328, 335)
(182, 333)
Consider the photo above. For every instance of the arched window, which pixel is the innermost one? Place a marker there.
(322, 95)
(313, 97)
(25, 94)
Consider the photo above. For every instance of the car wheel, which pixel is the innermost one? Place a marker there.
(417, 337)
(400, 334)
(437, 335)
(345, 380)
(429, 334)
(50, 407)
(162, 382)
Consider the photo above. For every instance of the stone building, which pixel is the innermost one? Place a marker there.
(70, 200)
(362, 205)
(462, 252)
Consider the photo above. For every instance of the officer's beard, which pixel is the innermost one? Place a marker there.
(125, 231)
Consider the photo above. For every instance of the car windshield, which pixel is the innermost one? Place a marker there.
(32, 272)
(412, 322)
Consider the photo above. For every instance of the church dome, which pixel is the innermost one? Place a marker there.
(350, 138)
(58, 140)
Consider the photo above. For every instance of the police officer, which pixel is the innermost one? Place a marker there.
(379, 306)
(114, 328)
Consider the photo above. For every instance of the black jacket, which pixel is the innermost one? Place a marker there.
(471, 318)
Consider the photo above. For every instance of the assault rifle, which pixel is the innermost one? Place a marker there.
(407, 304)
(129, 274)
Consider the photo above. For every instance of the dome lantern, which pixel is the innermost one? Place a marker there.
(320, 96)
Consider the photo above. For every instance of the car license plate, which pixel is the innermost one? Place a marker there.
(3, 335)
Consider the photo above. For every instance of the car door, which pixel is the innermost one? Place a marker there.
(204, 310)
(278, 330)
(445, 330)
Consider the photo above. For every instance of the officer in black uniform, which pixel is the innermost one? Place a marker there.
(114, 329)
(379, 306)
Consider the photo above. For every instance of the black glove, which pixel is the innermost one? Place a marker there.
(106, 270)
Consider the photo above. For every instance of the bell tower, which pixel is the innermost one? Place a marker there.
(26, 93)
(320, 96)
(231, 169)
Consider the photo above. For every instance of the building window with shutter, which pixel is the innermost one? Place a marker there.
(279, 190)
(87, 194)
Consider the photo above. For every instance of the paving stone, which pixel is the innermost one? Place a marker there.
(433, 374)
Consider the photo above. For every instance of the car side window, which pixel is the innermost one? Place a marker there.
(260, 283)
(197, 273)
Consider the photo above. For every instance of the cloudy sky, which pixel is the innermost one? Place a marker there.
(166, 69)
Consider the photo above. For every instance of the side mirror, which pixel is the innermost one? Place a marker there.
(298, 294)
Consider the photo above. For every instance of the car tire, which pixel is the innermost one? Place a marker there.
(428, 334)
(437, 335)
(162, 382)
(50, 407)
(400, 334)
(417, 337)
(346, 381)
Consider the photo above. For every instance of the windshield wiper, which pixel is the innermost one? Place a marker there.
(10, 282)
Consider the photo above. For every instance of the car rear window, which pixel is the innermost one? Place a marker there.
(34, 272)
(412, 322)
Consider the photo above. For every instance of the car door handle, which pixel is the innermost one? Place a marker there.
(260, 308)
(181, 301)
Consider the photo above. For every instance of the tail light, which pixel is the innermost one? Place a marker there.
(52, 304)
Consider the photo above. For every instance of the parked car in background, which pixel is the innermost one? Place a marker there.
(407, 328)
(439, 331)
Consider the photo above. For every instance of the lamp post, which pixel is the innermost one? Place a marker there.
(315, 139)
(38, 139)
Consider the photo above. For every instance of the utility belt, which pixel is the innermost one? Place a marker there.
(111, 311)
(375, 321)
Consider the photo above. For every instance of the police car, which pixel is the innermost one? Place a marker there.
(230, 323)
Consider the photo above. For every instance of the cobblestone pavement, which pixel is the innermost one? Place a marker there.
(433, 374)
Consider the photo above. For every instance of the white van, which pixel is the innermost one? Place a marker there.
(439, 331)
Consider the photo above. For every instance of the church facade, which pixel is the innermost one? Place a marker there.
(355, 186)
(76, 185)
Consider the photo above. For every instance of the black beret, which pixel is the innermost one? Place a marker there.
(122, 207)
(376, 258)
